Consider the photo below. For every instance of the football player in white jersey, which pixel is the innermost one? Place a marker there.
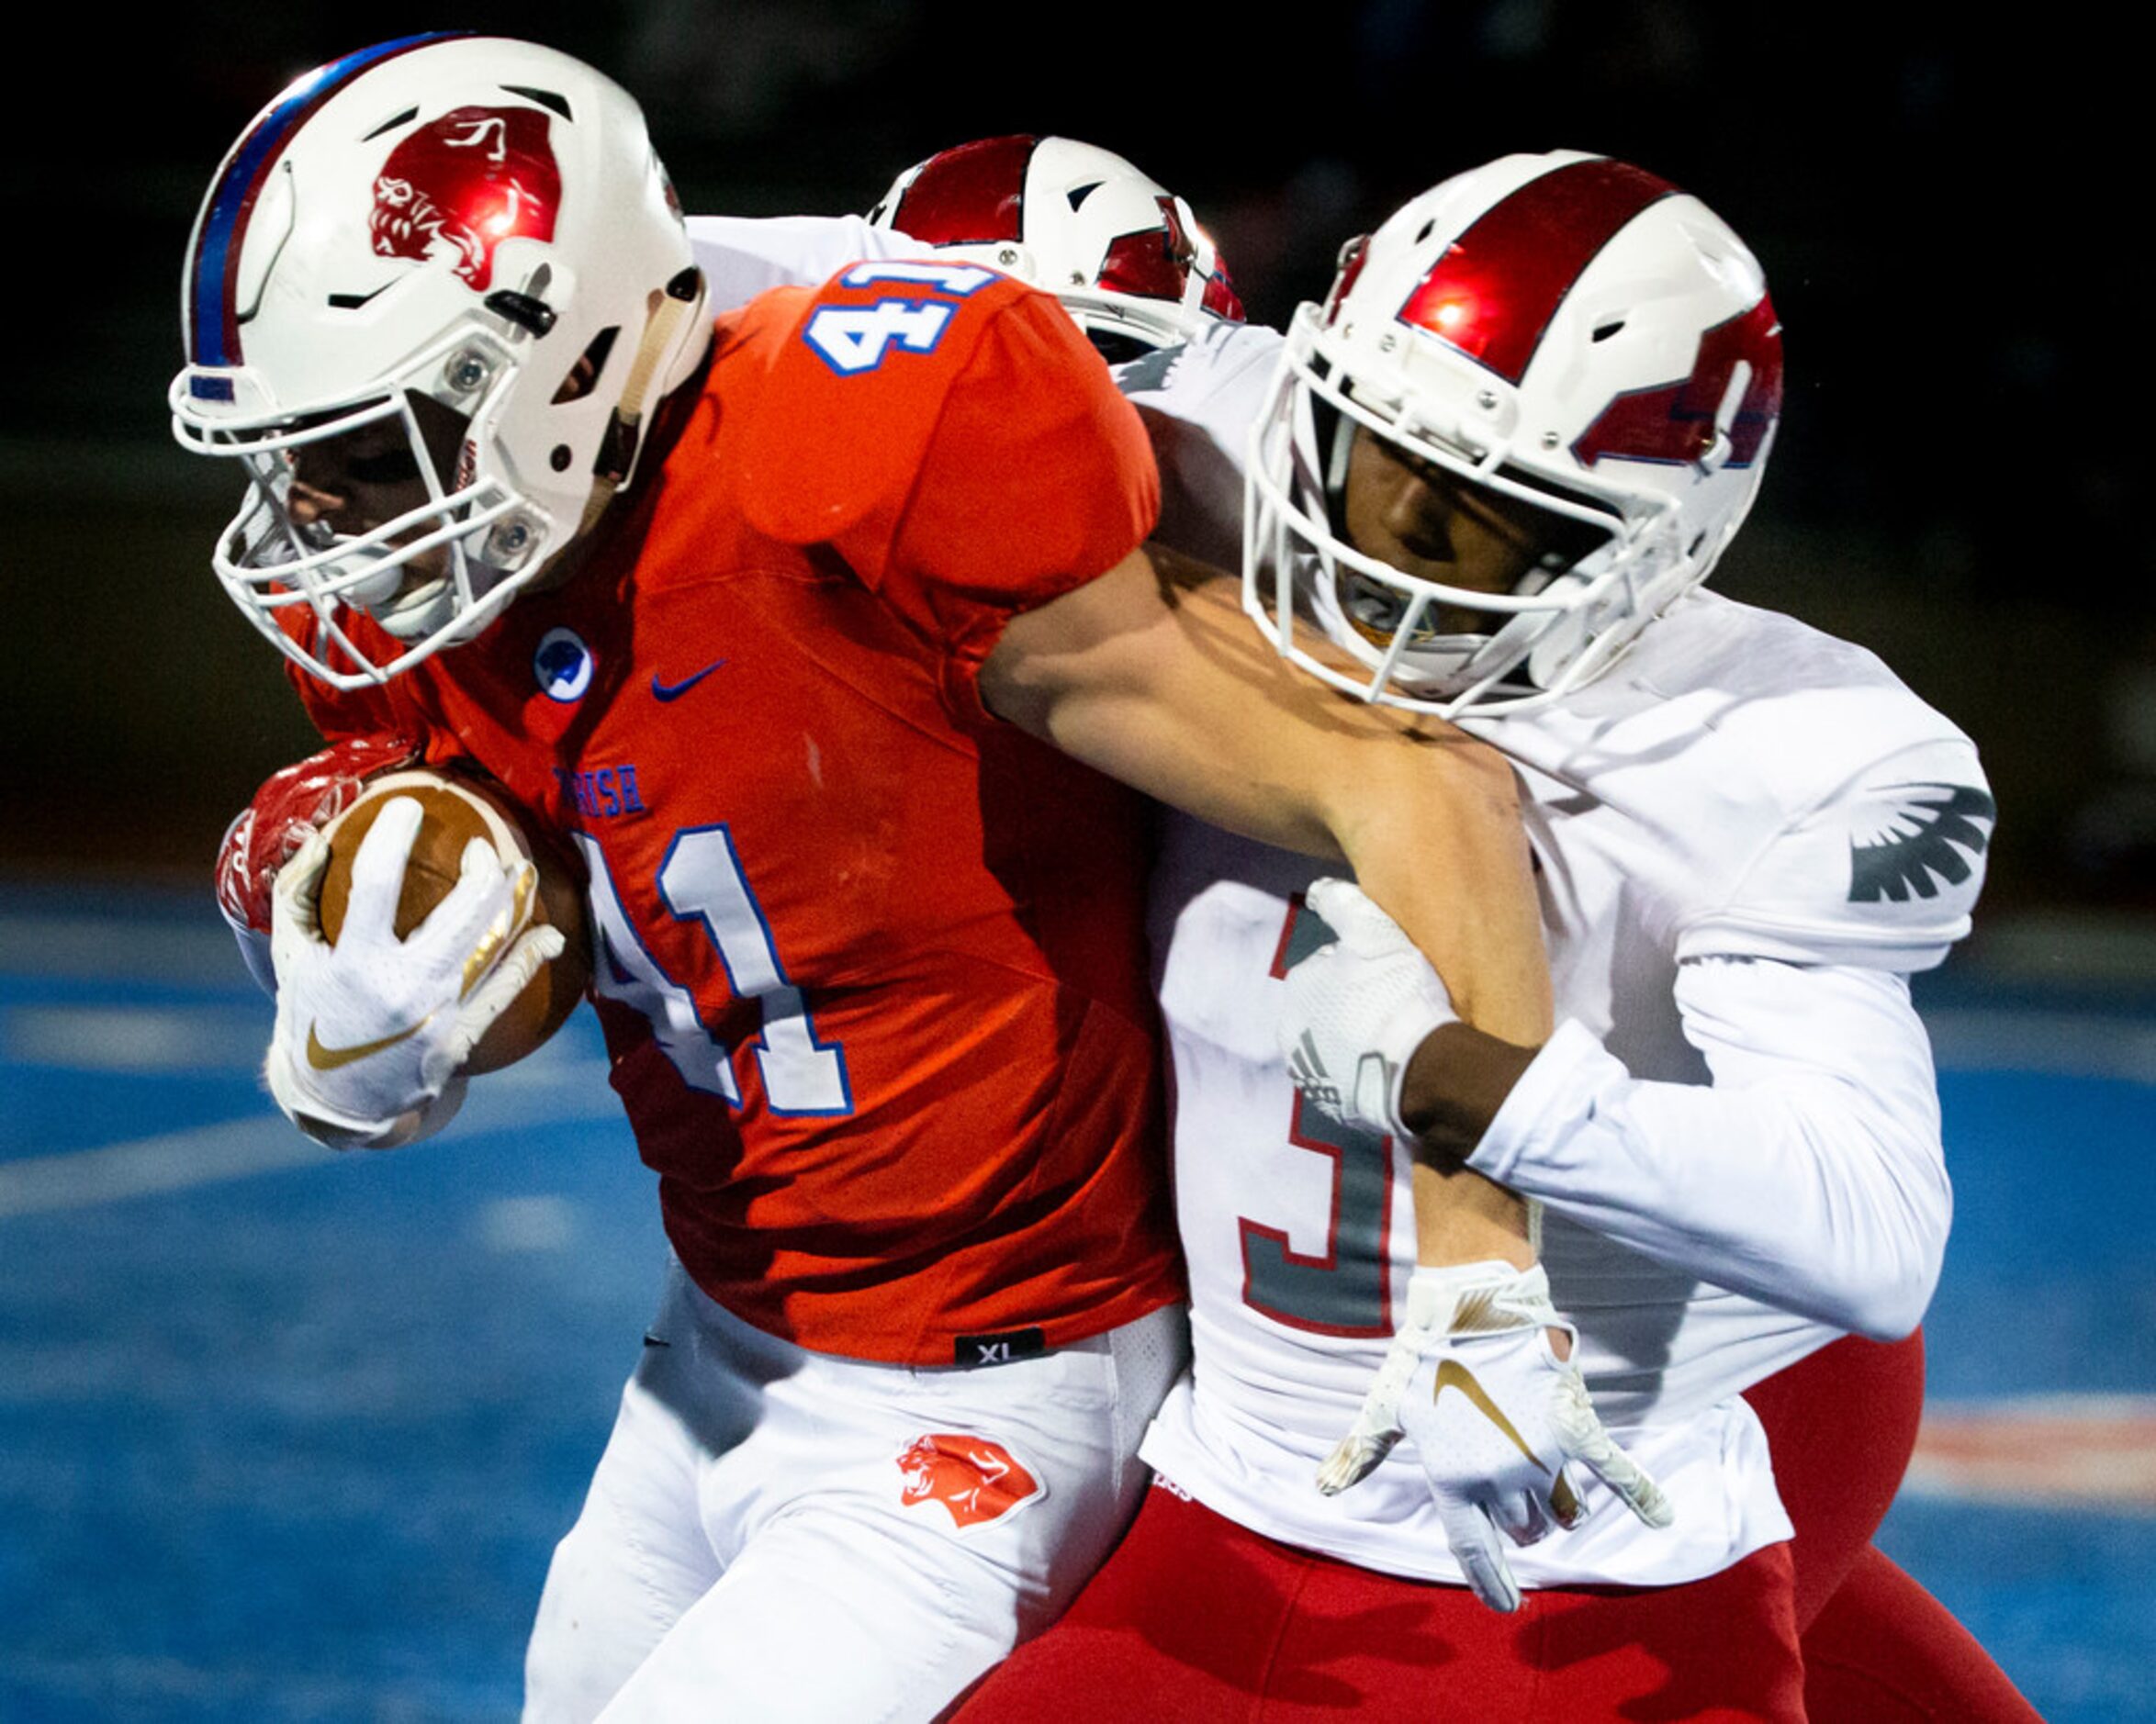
(1531, 413)
(1842, 1419)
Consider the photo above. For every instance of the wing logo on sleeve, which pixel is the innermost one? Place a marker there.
(1150, 372)
(978, 1481)
(1923, 834)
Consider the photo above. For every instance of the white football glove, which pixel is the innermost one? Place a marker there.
(1473, 1382)
(372, 1032)
(1357, 1010)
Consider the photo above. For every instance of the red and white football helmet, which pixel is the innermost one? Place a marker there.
(465, 220)
(1122, 252)
(1562, 328)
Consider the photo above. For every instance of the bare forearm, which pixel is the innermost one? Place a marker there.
(1152, 675)
(1460, 1078)
(1449, 863)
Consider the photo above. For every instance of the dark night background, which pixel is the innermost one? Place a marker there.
(286, 1435)
(1945, 217)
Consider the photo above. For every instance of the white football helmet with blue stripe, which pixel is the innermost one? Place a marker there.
(461, 232)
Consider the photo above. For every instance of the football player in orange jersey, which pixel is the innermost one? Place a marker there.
(798, 599)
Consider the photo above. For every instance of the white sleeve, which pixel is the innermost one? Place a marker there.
(743, 256)
(1809, 1174)
(1883, 872)
(1198, 401)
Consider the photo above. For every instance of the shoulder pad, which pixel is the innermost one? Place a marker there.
(855, 390)
(1884, 871)
(742, 256)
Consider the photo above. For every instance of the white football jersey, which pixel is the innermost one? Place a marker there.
(1198, 400)
(742, 256)
(1746, 833)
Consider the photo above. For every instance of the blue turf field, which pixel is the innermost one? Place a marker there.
(287, 1436)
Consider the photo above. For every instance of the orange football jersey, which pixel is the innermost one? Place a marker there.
(872, 969)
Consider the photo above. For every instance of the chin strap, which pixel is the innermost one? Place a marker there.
(683, 298)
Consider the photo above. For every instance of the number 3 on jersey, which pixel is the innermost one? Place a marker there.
(1345, 1288)
(701, 880)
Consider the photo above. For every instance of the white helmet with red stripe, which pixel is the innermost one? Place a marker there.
(1564, 329)
(462, 235)
(1119, 250)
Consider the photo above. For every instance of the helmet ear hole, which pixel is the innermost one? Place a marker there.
(583, 376)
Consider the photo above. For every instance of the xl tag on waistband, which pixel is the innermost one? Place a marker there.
(971, 1350)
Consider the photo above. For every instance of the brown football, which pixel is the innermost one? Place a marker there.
(454, 811)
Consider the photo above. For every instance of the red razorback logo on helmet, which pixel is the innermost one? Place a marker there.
(470, 180)
(975, 1479)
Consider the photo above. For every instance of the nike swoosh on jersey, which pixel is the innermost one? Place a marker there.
(1453, 1375)
(675, 691)
(326, 1058)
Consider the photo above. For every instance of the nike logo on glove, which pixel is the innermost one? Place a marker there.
(326, 1058)
(674, 691)
(1452, 1374)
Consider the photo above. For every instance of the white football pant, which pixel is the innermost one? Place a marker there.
(777, 1534)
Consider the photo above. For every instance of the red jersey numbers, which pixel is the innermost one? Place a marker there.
(852, 338)
(1344, 1288)
(701, 882)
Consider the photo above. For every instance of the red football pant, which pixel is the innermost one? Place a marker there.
(1842, 1425)
(1195, 1619)
(1198, 1620)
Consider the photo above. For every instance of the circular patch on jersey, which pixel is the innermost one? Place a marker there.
(563, 664)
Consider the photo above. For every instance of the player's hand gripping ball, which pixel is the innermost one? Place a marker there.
(454, 811)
